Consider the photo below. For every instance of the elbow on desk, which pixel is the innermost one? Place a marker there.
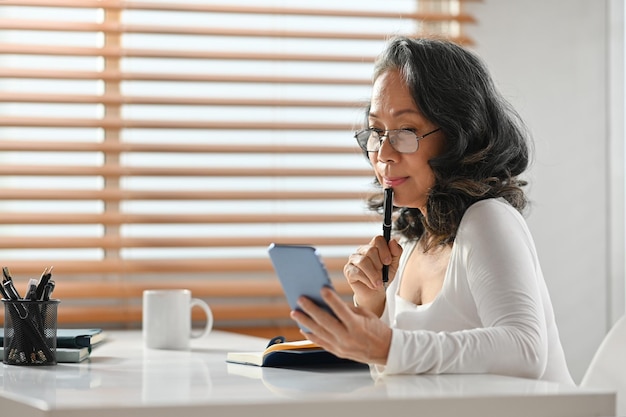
(532, 368)
(531, 357)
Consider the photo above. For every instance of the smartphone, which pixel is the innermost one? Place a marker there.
(301, 271)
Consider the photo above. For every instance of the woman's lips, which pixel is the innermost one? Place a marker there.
(394, 182)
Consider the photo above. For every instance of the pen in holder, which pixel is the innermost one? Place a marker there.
(30, 332)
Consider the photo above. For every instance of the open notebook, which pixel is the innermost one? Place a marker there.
(281, 354)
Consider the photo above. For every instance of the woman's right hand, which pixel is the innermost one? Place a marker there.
(364, 272)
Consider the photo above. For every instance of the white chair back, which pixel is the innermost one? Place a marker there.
(607, 369)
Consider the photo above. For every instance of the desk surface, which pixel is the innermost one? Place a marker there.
(124, 379)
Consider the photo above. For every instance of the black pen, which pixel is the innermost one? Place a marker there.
(6, 274)
(45, 277)
(387, 209)
(32, 290)
(10, 290)
(48, 291)
(4, 293)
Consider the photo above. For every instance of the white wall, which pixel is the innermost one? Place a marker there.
(551, 60)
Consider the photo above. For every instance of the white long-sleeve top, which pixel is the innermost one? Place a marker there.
(493, 313)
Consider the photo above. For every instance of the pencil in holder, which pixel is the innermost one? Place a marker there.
(30, 332)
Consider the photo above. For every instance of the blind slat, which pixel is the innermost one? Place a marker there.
(133, 314)
(235, 288)
(213, 195)
(111, 75)
(113, 52)
(235, 9)
(117, 99)
(224, 218)
(118, 123)
(185, 30)
(119, 171)
(176, 266)
(43, 242)
(58, 146)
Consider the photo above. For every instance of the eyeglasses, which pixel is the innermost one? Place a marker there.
(402, 140)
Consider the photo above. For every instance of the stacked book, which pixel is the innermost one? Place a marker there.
(73, 345)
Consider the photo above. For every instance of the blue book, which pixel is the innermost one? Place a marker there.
(66, 355)
(79, 338)
(73, 338)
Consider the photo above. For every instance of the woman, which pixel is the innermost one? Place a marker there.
(466, 291)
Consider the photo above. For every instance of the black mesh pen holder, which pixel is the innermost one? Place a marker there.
(30, 332)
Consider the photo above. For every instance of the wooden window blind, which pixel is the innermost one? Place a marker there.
(148, 144)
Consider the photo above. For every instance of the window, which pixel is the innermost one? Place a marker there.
(156, 143)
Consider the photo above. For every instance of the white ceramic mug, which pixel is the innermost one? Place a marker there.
(166, 320)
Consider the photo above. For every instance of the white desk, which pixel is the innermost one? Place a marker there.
(124, 379)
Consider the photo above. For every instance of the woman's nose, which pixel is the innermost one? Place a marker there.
(386, 151)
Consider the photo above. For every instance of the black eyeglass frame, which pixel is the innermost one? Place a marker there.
(386, 133)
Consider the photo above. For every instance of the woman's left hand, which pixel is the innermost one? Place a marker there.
(355, 333)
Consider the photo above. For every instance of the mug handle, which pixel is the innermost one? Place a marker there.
(209, 317)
